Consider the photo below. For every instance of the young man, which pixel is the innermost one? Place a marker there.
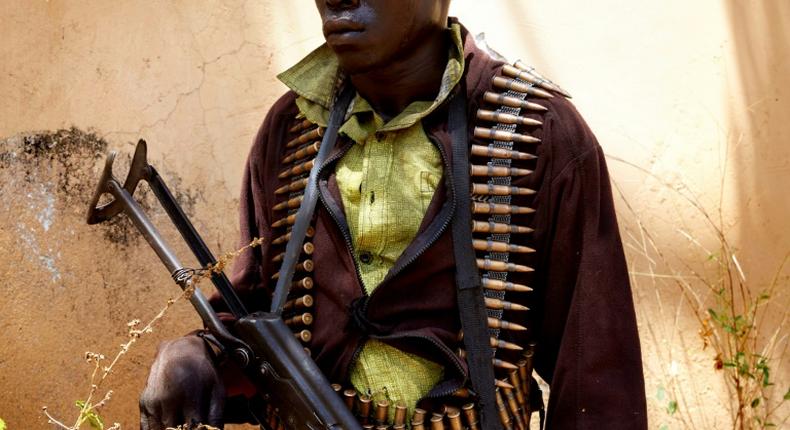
(377, 297)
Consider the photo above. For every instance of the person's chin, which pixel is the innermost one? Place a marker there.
(356, 61)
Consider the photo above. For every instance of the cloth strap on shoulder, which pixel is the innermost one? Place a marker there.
(305, 213)
(471, 303)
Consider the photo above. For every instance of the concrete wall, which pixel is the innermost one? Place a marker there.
(693, 92)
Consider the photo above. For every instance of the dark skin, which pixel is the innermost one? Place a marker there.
(395, 53)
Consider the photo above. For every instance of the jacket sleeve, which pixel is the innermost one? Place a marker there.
(587, 335)
(252, 267)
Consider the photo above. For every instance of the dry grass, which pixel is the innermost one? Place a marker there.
(90, 407)
(728, 307)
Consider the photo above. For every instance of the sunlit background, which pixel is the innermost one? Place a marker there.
(690, 101)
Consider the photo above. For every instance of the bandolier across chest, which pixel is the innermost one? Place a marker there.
(503, 150)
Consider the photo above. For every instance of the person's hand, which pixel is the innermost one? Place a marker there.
(183, 387)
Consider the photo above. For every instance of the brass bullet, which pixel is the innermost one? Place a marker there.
(300, 153)
(296, 185)
(531, 70)
(503, 344)
(495, 246)
(525, 369)
(497, 285)
(418, 425)
(533, 78)
(518, 390)
(287, 236)
(462, 392)
(502, 304)
(514, 85)
(494, 152)
(498, 228)
(501, 135)
(304, 335)
(501, 266)
(349, 396)
(437, 422)
(513, 407)
(304, 266)
(382, 412)
(303, 125)
(363, 411)
(303, 284)
(471, 416)
(497, 171)
(502, 384)
(400, 413)
(506, 118)
(497, 343)
(504, 325)
(305, 301)
(496, 362)
(289, 220)
(297, 169)
(454, 417)
(399, 427)
(418, 416)
(306, 137)
(302, 319)
(337, 387)
(510, 101)
(307, 248)
(524, 375)
(504, 364)
(289, 204)
(504, 417)
(496, 209)
(500, 190)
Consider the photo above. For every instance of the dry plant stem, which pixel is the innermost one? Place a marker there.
(88, 406)
(734, 327)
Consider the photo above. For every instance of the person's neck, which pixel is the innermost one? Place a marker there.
(416, 77)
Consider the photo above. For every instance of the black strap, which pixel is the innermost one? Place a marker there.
(471, 304)
(305, 213)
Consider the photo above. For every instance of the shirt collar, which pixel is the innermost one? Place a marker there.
(315, 78)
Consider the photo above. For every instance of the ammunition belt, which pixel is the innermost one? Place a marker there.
(503, 148)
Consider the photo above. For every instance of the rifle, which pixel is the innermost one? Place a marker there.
(259, 342)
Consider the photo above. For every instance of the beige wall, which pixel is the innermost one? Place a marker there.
(692, 91)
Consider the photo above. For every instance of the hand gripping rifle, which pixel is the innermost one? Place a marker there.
(260, 342)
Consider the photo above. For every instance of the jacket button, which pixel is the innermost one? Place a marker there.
(365, 257)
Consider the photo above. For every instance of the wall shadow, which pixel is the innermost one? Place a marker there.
(759, 145)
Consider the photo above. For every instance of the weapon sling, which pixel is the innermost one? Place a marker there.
(471, 304)
(305, 213)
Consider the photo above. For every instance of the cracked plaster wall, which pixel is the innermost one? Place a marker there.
(672, 86)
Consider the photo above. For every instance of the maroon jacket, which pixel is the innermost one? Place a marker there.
(582, 315)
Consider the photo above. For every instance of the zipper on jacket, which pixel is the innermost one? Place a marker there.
(452, 201)
(350, 247)
(336, 218)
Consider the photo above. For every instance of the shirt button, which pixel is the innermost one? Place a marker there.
(365, 257)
